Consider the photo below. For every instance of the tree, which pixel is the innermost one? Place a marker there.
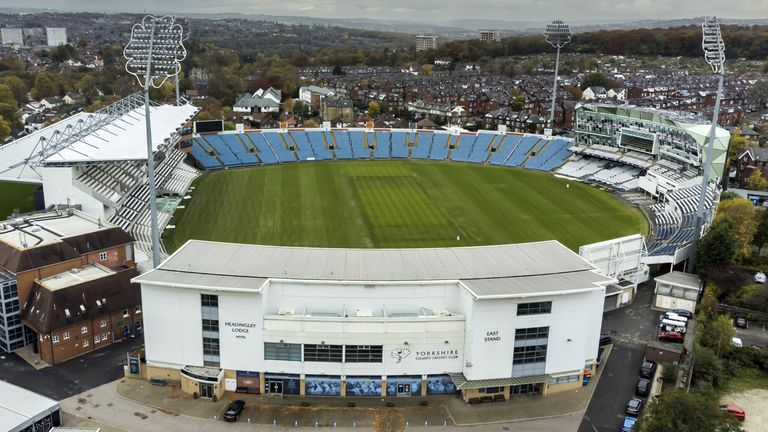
(426, 69)
(18, 88)
(595, 79)
(337, 70)
(757, 181)
(761, 234)
(309, 123)
(716, 334)
(725, 196)
(740, 215)
(288, 105)
(518, 103)
(374, 109)
(45, 86)
(680, 411)
(716, 249)
(5, 130)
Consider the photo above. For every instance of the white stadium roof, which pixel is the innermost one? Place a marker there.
(103, 136)
(486, 271)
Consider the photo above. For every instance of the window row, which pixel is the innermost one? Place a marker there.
(323, 353)
(534, 308)
(209, 300)
(210, 325)
(530, 354)
(532, 333)
(210, 346)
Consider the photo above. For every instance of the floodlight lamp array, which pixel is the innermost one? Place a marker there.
(155, 50)
(558, 33)
(712, 43)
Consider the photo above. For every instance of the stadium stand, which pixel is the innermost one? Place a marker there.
(265, 152)
(319, 146)
(399, 144)
(439, 149)
(481, 147)
(520, 154)
(423, 145)
(674, 220)
(341, 143)
(382, 147)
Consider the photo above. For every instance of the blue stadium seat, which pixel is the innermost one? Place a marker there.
(481, 147)
(201, 154)
(265, 152)
(383, 146)
(439, 146)
(423, 145)
(240, 149)
(223, 151)
(462, 146)
(301, 144)
(275, 141)
(508, 144)
(359, 148)
(319, 146)
(520, 154)
(343, 148)
(399, 146)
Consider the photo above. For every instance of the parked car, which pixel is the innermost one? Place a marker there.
(741, 322)
(648, 369)
(233, 411)
(643, 387)
(683, 313)
(634, 406)
(671, 336)
(629, 423)
(605, 340)
(760, 277)
(737, 342)
(735, 411)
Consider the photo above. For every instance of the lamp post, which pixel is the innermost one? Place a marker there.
(558, 35)
(153, 53)
(714, 54)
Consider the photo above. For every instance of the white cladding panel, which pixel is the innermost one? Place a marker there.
(173, 332)
(240, 330)
(59, 186)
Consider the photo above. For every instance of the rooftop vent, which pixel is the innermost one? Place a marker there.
(364, 313)
(66, 312)
(286, 311)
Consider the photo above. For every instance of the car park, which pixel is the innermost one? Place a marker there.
(629, 423)
(734, 411)
(643, 387)
(741, 322)
(634, 406)
(648, 369)
(671, 336)
(232, 414)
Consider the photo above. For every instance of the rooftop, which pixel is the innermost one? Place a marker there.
(19, 405)
(680, 279)
(48, 227)
(75, 276)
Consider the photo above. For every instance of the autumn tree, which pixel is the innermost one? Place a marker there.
(5, 129)
(426, 69)
(757, 181)
(740, 215)
(374, 109)
(45, 86)
(761, 234)
(18, 88)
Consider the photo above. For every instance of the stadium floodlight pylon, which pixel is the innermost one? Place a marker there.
(154, 54)
(558, 35)
(714, 54)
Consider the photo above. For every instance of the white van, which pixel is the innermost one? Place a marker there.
(675, 317)
(737, 342)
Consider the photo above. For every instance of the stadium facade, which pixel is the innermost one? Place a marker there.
(489, 321)
(679, 137)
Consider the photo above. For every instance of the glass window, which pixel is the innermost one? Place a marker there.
(103, 323)
(55, 339)
(86, 342)
(209, 300)
(66, 335)
(84, 329)
(282, 351)
(210, 346)
(97, 339)
(532, 333)
(362, 353)
(103, 256)
(530, 354)
(322, 353)
(210, 325)
(534, 308)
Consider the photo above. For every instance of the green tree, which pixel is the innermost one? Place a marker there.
(708, 370)
(595, 79)
(680, 411)
(374, 109)
(716, 249)
(716, 334)
(757, 181)
(18, 88)
(761, 235)
(740, 215)
(337, 70)
(5, 130)
(45, 86)
(518, 103)
(725, 196)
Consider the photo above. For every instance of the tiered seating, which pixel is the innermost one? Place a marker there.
(203, 154)
(222, 151)
(551, 157)
(299, 141)
(640, 160)
(616, 175)
(265, 152)
(112, 181)
(462, 147)
(520, 154)
(581, 167)
(439, 146)
(674, 222)
(359, 147)
(481, 147)
(423, 145)
(241, 150)
(319, 146)
(276, 143)
(399, 144)
(508, 145)
(382, 149)
(343, 148)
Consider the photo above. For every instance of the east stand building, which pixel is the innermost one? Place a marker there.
(489, 321)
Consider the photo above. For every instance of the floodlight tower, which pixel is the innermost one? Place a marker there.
(558, 35)
(154, 54)
(714, 54)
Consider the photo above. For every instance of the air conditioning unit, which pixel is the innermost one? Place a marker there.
(364, 313)
(442, 313)
(286, 311)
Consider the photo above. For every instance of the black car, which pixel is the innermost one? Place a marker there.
(643, 387)
(741, 322)
(634, 406)
(648, 369)
(683, 313)
(233, 410)
(605, 339)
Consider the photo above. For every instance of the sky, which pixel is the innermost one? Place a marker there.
(433, 11)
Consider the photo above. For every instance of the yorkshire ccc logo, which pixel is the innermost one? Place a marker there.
(400, 353)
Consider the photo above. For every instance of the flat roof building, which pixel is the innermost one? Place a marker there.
(490, 36)
(426, 42)
(486, 321)
(56, 36)
(22, 410)
(12, 37)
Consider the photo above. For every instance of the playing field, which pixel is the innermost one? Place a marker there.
(397, 204)
(16, 198)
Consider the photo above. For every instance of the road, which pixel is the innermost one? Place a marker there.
(630, 328)
(70, 378)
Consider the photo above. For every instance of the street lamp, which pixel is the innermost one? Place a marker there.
(153, 55)
(558, 34)
(714, 54)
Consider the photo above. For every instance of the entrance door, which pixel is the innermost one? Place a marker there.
(403, 389)
(274, 387)
(206, 390)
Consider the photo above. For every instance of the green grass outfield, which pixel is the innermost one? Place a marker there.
(397, 204)
(16, 197)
